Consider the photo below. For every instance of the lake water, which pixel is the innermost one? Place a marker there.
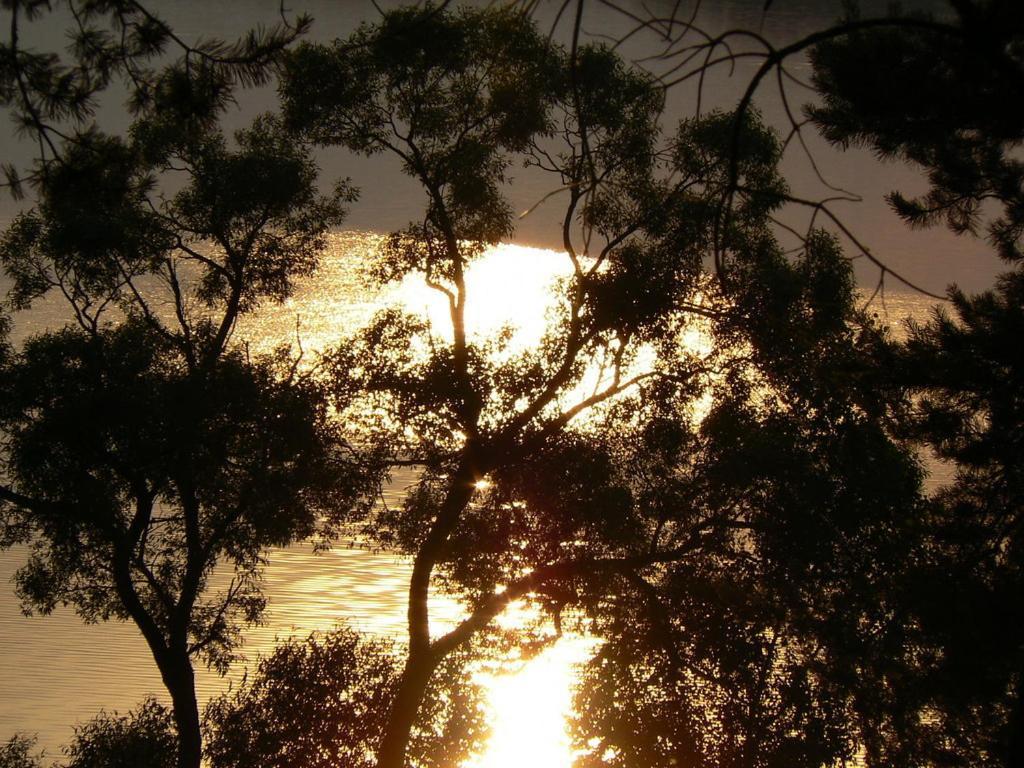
(55, 671)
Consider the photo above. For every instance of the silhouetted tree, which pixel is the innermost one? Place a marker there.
(140, 448)
(785, 496)
(324, 702)
(133, 478)
(52, 95)
(451, 94)
(761, 568)
(935, 679)
(943, 101)
(18, 753)
(940, 97)
(753, 651)
(144, 737)
(961, 591)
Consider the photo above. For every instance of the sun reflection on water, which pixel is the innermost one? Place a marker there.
(309, 591)
(510, 287)
(530, 707)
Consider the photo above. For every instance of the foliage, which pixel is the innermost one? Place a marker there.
(942, 98)
(740, 521)
(51, 96)
(143, 737)
(141, 448)
(791, 503)
(323, 701)
(18, 752)
(469, 86)
(759, 536)
(125, 454)
(946, 107)
(964, 372)
(95, 247)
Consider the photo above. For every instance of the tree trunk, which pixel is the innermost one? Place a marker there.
(171, 658)
(411, 689)
(423, 658)
(180, 681)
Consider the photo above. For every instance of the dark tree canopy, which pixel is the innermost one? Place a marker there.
(793, 501)
(143, 737)
(324, 701)
(738, 554)
(740, 520)
(467, 87)
(148, 460)
(119, 451)
(964, 372)
(944, 98)
(17, 752)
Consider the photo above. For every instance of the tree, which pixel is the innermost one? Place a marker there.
(141, 448)
(750, 565)
(757, 650)
(17, 752)
(145, 736)
(517, 498)
(940, 678)
(958, 83)
(323, 701)
(965, 374)
(50, 98)
(946, 109)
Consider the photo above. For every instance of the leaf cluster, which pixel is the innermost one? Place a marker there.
(323, 701)
(53, 97)
(144, 736)
(451, 92)
(943, 99)
(121, 448)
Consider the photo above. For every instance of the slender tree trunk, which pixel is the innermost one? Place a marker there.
(423, 657)
(419, 667)
(179, 680)
(171, 659)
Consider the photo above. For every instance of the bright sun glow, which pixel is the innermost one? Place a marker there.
(530, 707)
(511, 285)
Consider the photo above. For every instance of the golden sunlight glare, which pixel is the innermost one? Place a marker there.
(530, 708)
(511, 286)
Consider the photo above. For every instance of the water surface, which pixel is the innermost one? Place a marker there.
(55, 671)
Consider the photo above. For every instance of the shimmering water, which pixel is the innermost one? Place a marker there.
(55, 671)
